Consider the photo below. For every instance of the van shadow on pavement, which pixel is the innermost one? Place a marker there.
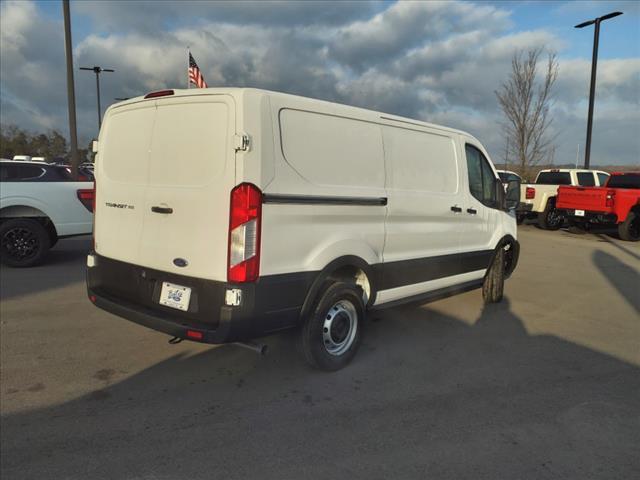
(618, 275)
(427, 396)
(63, 265)
(626, 250)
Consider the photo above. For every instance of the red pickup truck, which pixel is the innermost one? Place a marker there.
(616, 203)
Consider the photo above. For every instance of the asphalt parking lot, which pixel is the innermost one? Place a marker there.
(544, 385)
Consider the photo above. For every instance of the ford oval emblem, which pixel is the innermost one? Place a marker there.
(180, 262)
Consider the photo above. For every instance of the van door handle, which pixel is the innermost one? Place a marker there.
(165, 210)
(472, 211)
(456, 209)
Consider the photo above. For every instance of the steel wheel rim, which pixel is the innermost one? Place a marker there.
(20, 243)
(340, 327)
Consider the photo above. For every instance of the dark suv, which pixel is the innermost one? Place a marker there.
(35, 172)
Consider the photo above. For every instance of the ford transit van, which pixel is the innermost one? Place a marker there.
(224, 215)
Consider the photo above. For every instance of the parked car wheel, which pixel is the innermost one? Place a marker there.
(331, 334)
(23, 242)
(493, 285)
(519, 219)
(551, 218)
(629, 230)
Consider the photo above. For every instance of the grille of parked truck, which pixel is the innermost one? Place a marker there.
(615, 204)
(223, 215)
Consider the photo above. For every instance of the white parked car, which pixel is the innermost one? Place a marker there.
(39, 204)
(539, 199)
(224, 215)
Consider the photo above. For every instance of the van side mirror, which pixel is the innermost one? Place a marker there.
(512, 194)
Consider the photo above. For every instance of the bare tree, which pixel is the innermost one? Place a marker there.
(525, 102)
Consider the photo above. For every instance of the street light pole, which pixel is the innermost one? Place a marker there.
(592, 88)
(71, 94)
(98, 70)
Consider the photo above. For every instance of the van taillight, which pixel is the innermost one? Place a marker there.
(245, 215)
(610, 198)
(87, 197)
(530, 193)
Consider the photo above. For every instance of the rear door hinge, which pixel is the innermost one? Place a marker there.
(242, 142)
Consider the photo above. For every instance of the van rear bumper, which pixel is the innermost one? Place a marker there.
(129, 291)
(171, 326)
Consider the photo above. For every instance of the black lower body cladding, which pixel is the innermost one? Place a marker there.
(130, 291)
(271, 304)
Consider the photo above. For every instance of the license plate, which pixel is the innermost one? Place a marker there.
(175, 296)
(579, 213)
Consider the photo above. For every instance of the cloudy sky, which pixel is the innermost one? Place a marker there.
(435, 61)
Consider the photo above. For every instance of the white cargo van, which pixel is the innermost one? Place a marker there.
(224, 215)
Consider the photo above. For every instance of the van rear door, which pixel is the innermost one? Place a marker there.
(170, 162)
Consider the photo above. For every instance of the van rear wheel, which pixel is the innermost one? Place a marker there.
(493, 285)
(331, 334)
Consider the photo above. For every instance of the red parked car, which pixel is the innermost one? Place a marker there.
(616, 203)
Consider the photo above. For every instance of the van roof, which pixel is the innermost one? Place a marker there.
(363, 113)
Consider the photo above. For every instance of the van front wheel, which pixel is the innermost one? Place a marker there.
(331, 335)
(493, 285)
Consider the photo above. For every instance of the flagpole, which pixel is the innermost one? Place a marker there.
(188, 56)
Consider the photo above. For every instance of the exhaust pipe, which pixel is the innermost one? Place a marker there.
(259, 348)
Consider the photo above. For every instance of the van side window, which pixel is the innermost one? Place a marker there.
(585, 179)
(482, 180)
(475, 172)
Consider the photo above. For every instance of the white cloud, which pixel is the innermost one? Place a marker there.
(435, 61)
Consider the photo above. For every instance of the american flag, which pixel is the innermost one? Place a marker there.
(195, 76)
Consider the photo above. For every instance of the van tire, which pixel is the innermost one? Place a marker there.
(629, 230)
(328, 346)
(23, 242)
(550, 218)
(493, 284)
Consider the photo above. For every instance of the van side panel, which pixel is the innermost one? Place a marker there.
(422, 182)
(327, 199)
(254, 119)
(332, 151)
